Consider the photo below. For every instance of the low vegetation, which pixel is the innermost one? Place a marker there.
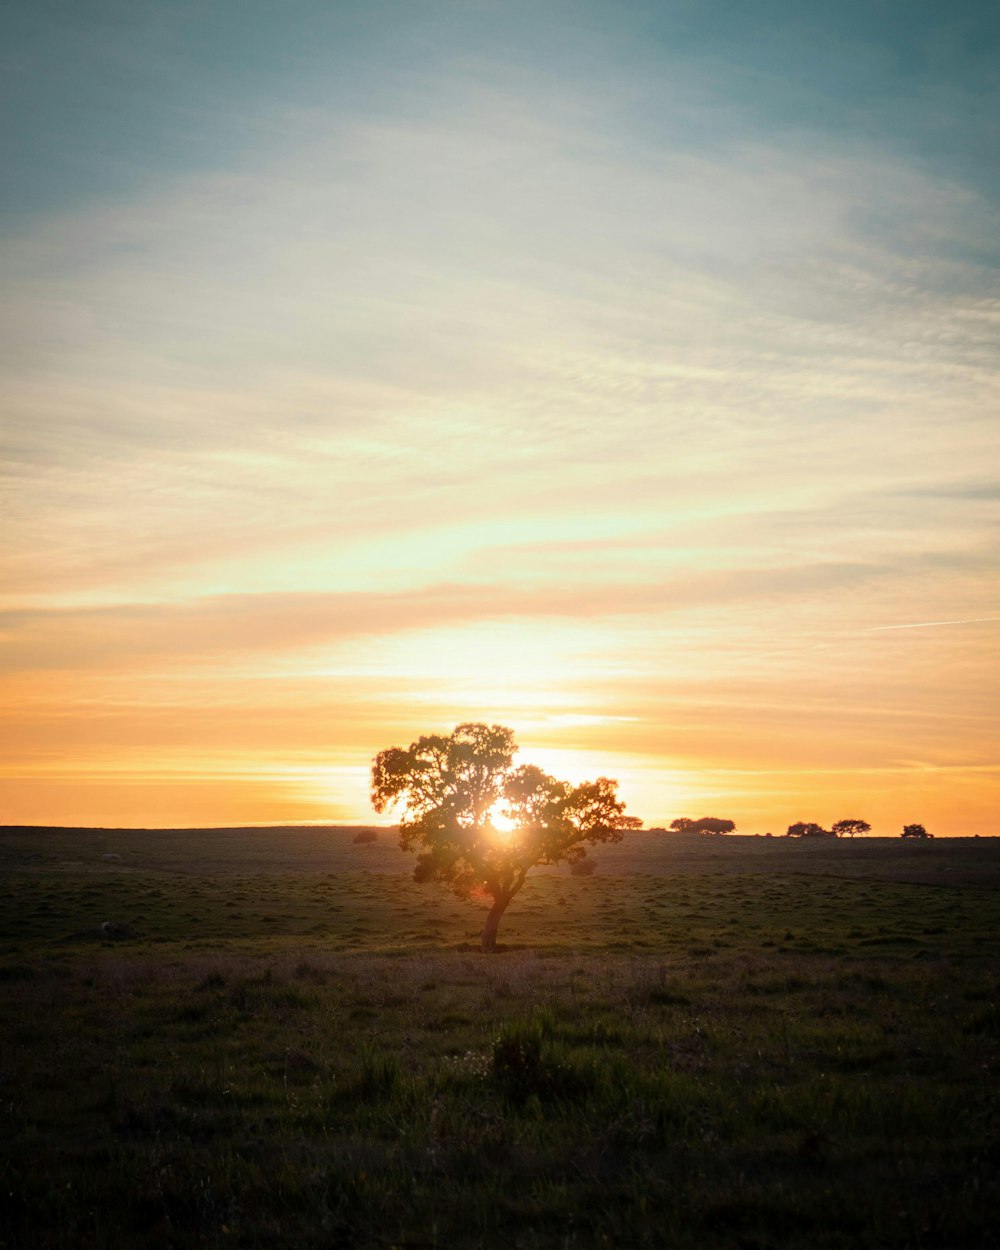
(740, 1052)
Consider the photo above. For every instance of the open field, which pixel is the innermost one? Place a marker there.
(738, 1042)
(325, 848)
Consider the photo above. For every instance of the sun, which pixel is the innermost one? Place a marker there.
(501, 822)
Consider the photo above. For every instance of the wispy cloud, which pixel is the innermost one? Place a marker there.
(975, 620)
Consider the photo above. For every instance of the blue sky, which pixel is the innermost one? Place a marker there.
(627, 373)
(102, 97)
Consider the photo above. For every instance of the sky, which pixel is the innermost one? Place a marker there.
(626, 373)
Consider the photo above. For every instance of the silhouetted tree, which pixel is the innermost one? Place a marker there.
(848, 828)
(455, 788)
(915, 831)
(808, 829)
(706, 824)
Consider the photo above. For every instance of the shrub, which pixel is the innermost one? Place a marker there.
(915, 831)
(524, 1065)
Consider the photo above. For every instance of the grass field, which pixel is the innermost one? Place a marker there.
(279, 1040)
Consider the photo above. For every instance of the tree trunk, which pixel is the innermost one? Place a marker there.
(493, 921)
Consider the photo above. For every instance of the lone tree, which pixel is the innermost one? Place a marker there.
(915, 831)
(478, 824)
(848, 828)
(706, 824)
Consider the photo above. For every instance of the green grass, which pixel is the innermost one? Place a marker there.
(363, 911)
(730, 1058)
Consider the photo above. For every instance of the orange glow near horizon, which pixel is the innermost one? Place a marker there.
(764, 722)
(306, 788)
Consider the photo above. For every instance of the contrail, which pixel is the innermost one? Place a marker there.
(971, 620)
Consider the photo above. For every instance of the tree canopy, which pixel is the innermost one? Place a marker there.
(480, 824)
(915, 831)
(848, 828)
(705, 824)
(808, 829)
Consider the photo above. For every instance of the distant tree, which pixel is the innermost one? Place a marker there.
(366, 835)
(808, 829)
(848, 828)
(706, 824)
(915, 831)
(478, 824)
(713, 825)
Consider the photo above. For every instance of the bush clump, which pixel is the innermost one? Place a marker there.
(525, 1066)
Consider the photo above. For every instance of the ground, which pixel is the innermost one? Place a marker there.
(281, 1040)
